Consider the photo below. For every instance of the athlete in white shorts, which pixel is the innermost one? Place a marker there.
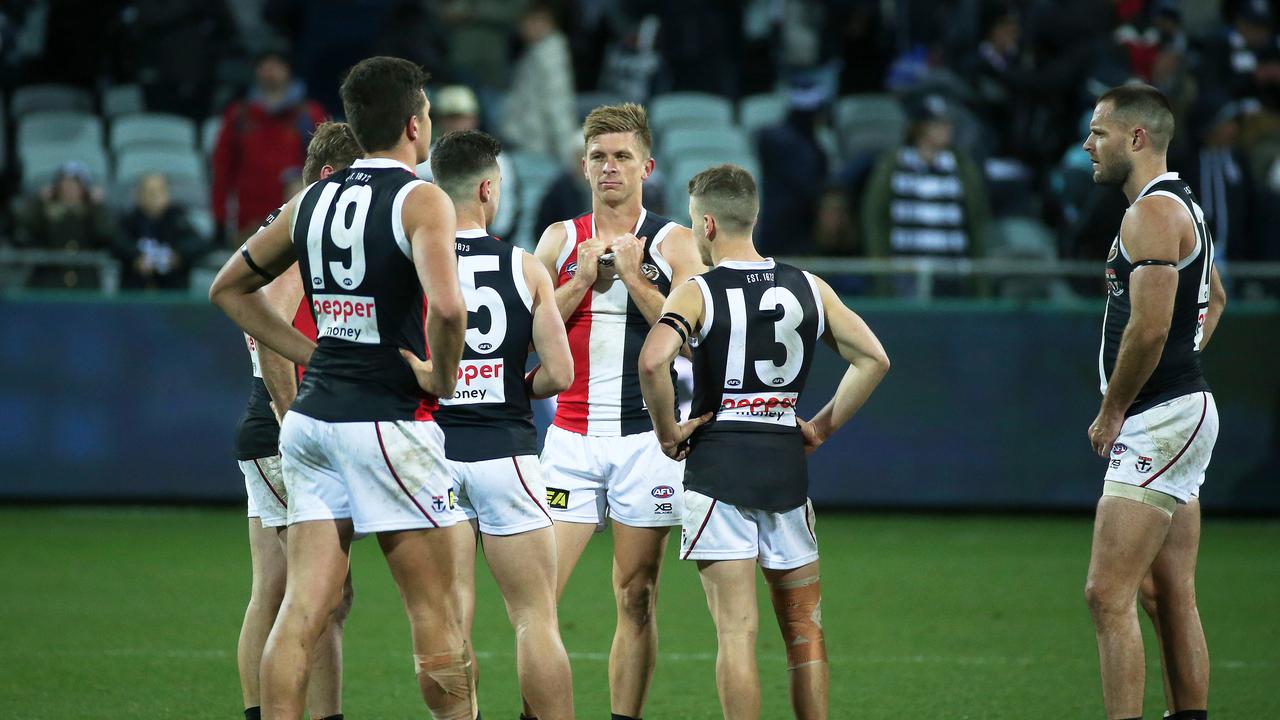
(1158, 421)
(332, 148)
(361, 451)
(612, 268)
(746, 477)
(490, 440)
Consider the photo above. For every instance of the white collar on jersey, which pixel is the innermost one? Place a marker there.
(765, 264)
(471, 233)
(639, 223)
(1158, 179)
(380, 163)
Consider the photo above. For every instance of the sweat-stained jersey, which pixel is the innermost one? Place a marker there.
(606, 332)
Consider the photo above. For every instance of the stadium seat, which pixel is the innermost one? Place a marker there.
(123, 100)
(152, 130)
(689, 109)
(1028, 239)
(173, 163)
(41, 160)
(42, 98)
(202, 222)
(728, 141)
(209, 134)
(761, 111)
(868, 123)
(588, 101)
(59, 126)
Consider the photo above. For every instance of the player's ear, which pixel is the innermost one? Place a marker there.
(412, 128)
(709, 222)
(326, 171)
(649, 165)
(486, 190)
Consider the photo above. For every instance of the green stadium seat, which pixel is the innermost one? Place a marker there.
(123, 100)
(58, 126)
(152, 130)
(49, 97)
(689, 109)
(761, 111)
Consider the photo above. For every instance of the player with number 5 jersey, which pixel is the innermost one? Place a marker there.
(361, 451)
(754, 325)
(490, 439)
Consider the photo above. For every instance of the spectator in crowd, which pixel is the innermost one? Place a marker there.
(1230, 59)
(156, 244)
(540, 115)
(66, 215)
(1218, 173)
(262, 143)
(480, 38)
(926, 197)
(792, 165)
(455, 108)
(172, 48)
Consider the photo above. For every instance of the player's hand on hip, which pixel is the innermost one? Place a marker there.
(677, 448)
(424, 373)
(812, 438)
(1104, 431)
(628, 254)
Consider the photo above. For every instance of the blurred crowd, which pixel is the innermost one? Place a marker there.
(877, 128)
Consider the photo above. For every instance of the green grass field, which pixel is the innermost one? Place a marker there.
(135, 612)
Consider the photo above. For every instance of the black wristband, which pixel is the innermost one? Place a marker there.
(1166, 263)
(244, 253)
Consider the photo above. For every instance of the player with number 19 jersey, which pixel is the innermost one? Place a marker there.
(359, 440)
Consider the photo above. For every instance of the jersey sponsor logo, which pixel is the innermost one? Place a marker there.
(1143, 465)
(557, 498)
(479, 381)
(1119, 449)
(766, 407)
(346, 317)
(663, 491)
(571, 269)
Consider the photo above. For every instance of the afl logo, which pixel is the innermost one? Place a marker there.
(663, 491)
(571, 269)
(1115, 249)
(650, 271)
(733, 382)
(485, 347)
(1119, 449)
(777, 381)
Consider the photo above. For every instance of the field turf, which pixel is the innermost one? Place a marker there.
(118, 613)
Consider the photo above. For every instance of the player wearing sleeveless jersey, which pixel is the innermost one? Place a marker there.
(490, 438)
(1158, 421)
(753, 324)
(332, 148)
(361, 452)
(612, 269)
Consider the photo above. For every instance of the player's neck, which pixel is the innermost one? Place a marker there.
(614, 220)
(470, 217)
(403, 153)
(739, 249)
(1142, 176)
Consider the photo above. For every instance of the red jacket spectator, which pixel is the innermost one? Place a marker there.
(261, 146)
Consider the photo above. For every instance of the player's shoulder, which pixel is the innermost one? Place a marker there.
(1156, 212)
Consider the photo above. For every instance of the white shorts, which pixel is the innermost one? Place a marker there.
(713, 530)
(385, 476)
(627, 478)
(263, 484)
(1167, 448)
(506, 495)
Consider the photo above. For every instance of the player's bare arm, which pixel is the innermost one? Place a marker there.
(849, 335)
(660, 348)
(554, 373)
(1217, 303)
(569, 295)
(678, 248)
(429, 221)
(1151, 230)
(237, 289)
(278, 372)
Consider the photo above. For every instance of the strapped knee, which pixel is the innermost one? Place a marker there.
(448, 676)
(798, 604)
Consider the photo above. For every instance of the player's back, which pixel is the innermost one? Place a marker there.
(489, 414)
(761, 323)
(358, 274)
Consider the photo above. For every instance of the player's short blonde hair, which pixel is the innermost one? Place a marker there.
(333, 144)
(728, 194)
(626, 117)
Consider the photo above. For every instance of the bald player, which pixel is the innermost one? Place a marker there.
(1158, 422)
